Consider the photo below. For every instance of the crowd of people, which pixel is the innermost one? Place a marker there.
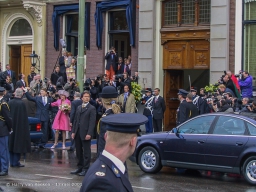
(234, 94)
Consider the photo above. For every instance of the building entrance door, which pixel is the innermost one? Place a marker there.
(19, 59)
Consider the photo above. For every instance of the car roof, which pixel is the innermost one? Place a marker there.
(248, 117)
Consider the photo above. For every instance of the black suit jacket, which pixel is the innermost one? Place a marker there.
(85, 120)
(187, 110)
(158, 108)
(20, 84)
(121, 69)
(74, 105)
(111, 61)
(42, 112)
(55, 76)
(103, 175)
(13, 77)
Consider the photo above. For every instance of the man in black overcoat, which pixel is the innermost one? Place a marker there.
(187, 109)
(82, 133)
(19, 141)
(158, 106)
(74, 105)
(56, 75)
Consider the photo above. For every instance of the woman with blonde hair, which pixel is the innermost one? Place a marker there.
(109, 99)
(61, 121)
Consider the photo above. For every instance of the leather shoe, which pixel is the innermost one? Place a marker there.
(83, 173)
(76, 171)
(3, 173)
(19, 165)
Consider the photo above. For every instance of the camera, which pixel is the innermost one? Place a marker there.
(40, 81)
(45, 80)
(87, 84)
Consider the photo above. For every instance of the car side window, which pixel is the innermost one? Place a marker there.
(229, 126)
(252, 129)
(199, 125)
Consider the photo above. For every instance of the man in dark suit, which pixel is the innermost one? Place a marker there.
(108, 172)
(74, 104)
(120, 66)
(6, 128)
(82, 133)
(111, 66)
(21, 83)
(43, 105)
(187, 110)
(56, 75)
(62, 65)
(158, 106)
(11, 74)
(31, 75)
(125, 81)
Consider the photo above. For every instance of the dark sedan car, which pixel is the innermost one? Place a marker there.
(214, 142)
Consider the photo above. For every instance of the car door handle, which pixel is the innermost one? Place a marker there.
(200, 142)
(239, 144)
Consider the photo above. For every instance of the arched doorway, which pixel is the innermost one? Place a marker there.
(17, 44)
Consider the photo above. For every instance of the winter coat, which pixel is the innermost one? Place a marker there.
(246, 86)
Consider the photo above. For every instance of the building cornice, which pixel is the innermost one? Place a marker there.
(36, 9)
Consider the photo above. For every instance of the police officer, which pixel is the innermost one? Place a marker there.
(199, 102)
(187, 109)
(109, 97)
(5, 130)
(108, 172)
(182, 94)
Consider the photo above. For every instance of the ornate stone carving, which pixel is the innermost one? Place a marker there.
(36, 9)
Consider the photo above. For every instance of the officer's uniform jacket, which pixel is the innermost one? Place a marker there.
(5, 119)
(104, 176)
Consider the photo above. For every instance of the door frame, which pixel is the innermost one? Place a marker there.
(16, 40)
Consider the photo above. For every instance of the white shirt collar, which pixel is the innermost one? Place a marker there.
(157, 96)
(115, 160)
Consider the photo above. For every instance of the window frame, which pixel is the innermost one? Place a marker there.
(179, 15)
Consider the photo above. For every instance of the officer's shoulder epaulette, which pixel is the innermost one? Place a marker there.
(102, 171)
(4, 103)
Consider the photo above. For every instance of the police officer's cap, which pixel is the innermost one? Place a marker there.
(2, 89)
(109, 92)
(124, 122)
(193, 89)
(148, 90)
(182, 92)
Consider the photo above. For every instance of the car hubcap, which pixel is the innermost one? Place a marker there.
(251, 170)
(148, 159)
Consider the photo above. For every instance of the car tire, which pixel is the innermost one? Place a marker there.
(149, 160)
(249, 169)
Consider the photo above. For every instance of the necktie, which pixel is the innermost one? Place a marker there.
(155, 99)
(44, 101)
(127, 68)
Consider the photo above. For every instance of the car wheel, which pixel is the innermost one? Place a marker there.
(249, 170)
(149, 160)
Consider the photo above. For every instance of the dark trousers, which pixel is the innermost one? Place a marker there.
(72, 145)
(14, 159)
(157, 123)
(83, 152)
(149, 125)
(44, 128)
(4, 154)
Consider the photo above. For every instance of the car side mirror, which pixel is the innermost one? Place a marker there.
(175, 130)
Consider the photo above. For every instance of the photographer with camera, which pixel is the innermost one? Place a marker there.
(112, 59)
(245, 105)
(123, 82)
(227, 81)
(245, 84)
(71, 87)
(252, 107)
(93, 90)
(37, 84)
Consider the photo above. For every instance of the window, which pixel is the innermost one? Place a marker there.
(21, 28)
(186, 12)
(118, 21)
(229, 126)
(249, 46)
(197, 126)
(252, 129)
(72, 33)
